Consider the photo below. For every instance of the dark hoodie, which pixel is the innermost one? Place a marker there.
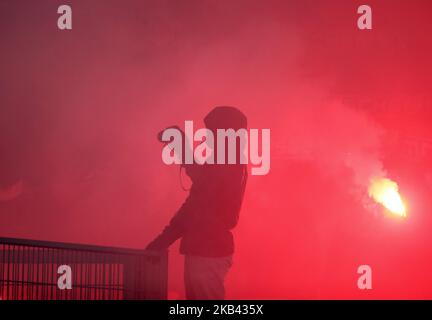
(211, 211)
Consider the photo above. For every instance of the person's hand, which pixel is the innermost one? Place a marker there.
(160, 134)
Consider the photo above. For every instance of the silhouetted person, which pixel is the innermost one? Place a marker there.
(205, 220)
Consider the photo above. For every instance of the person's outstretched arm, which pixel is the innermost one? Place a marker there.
(174, 230)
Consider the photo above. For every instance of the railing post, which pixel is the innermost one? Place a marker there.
(129, 278)
(146, 276)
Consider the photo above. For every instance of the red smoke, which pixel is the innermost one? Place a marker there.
(80, 111)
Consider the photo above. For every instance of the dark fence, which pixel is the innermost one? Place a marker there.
(42, 270)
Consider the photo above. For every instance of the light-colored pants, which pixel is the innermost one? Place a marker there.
(204, 277)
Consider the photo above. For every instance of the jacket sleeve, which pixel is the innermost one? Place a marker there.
(175, 229)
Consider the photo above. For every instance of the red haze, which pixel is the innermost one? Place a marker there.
(80, 111)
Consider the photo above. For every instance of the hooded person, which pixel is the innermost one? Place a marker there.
(206, 218)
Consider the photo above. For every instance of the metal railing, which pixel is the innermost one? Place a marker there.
(36, 270)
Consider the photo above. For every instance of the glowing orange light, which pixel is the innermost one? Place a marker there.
(386, 192)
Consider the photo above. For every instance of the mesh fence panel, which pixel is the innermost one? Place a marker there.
(31, 270)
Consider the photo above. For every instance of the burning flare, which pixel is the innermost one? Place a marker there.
(385, 192)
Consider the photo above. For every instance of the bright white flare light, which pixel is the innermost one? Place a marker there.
(386, 192)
